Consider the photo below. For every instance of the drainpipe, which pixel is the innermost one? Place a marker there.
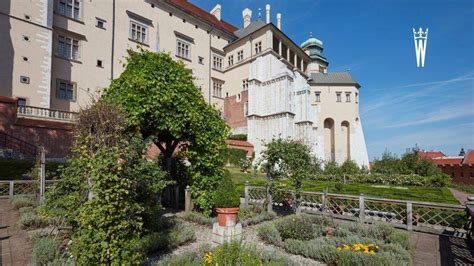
(113, 42)
(210, 62)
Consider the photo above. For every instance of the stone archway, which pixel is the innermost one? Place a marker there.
(346, 140)
(329, 140)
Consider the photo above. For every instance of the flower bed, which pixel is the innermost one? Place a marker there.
(317, 237)
(387, 179)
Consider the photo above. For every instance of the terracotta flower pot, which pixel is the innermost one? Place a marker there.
(227, 216)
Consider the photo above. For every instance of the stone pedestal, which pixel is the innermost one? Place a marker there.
(222, 234)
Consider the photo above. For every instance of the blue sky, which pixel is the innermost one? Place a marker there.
(400, 105)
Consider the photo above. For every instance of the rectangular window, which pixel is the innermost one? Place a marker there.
(231, 60)
(65, 90)
(338, 97)
(70, 8)
(201, 60)
(245, 84)
(68, 47)
(183, 49)
(246, 108)
(217, 89)
(240, 55)
(357, 97)
(138, 32)
(348, 97)
(258, 47)
(100, 23)
(21, 101)
(216, 62)
(318, 96)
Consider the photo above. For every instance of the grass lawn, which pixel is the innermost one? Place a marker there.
(17, 169)
(415, 193)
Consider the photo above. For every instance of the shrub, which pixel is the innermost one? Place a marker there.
(234, 156)
(295, 228)
(269, 234)
(258, 218)
(238, 137)
(245, 165)
(226, 196)
(30, 220)
(167, 239)
(197, 217)
(399, 238)
(46, 250)
(23, 201)
(339, 186)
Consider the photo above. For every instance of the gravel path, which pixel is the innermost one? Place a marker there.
(461, 196)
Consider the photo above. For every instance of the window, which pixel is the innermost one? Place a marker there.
(68, 47)
(338, 97)
(357, 97)
(217, 89)
(25, 79)
(138, 32)
(21, 101)
(99, 63)
(348, 97)
(70, 8)
(65, 90)
(231, 60)
(100, 23)
(201, 60)
(240, 55)
(318, 96)
(258, 47)
(217, 62)
(183, 49)
(322, 69)
(245, 84)
(246, 108)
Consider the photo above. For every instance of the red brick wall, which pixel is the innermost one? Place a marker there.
(56, 137)
(461, 173)
(234, 110)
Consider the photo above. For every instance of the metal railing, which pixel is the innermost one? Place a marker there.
(11, 188)
(45, 113)
(411, 215)
(15, 144)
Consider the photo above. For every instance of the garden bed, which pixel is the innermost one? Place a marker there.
(319, 238)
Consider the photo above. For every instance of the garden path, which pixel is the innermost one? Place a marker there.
(15, 245)
(459, 195)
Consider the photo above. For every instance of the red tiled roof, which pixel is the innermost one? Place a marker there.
(189, 8)
(447, 160)
(469, 158)
(430, 154)
(241, 143)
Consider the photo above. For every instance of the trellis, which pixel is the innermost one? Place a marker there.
(411, 215)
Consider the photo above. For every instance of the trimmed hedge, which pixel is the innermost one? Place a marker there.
(234, 156)
(238, 137)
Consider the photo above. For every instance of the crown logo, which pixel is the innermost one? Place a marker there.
(420, 34)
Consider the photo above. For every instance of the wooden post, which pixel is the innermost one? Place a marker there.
(42, 173)
(269, 200)
(409, 216)
(361, 208)
(246, 194)
(188, 205)
(11, 189)
(324, 199)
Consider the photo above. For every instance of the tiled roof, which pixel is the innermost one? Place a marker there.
(343, 78)
(447, 160)
(430, 154)
(190, 8)
(241, 143)
(469, 158)
(252, 27)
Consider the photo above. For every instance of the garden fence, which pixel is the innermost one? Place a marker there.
(412, 215)
(11, 188)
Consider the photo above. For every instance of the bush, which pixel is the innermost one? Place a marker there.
(238, 137)
(167, 239)
(295, 228)
(245, 165)
(46, 250)
(339, 186)
(234, 156)
(226, 196)
(30, 220)
(258, 218)
(197, 217)
(23, 201)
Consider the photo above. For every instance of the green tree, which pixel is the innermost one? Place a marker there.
(289, 159)
(161, 100)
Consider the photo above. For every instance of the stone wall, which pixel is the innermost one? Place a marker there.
(234, 112)
(55, 136)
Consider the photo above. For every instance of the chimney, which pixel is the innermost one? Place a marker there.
(279, 21)
(247, 15)
(267, 13)
(216, 11)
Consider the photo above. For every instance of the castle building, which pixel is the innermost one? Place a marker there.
(57, 55)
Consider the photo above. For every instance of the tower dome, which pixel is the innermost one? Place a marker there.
(313, 47)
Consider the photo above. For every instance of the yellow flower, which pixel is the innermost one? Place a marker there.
(208, 258)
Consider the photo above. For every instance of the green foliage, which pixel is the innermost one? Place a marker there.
(226, 196)
(161, 101)
(23, 201)
(234, 156)
(197, 217)
(245, 164)
(296, 228)
(339, 186)
(238, 137)
(46, 250)
(167, 238)
(31, 220)
(254, 215)
(19, 169)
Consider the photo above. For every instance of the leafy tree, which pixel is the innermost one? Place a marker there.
(349, 167)
(288, 159)
(332, 168)
(161, 100)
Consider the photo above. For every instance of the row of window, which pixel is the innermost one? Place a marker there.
(338, 96)
(240, 54)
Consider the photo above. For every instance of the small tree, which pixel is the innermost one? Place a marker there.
(290, 159)
(161, 101)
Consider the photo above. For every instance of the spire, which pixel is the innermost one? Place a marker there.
(259, 13)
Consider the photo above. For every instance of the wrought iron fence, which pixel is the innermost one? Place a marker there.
(411, 215)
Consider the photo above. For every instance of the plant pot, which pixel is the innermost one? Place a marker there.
(227, 216)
